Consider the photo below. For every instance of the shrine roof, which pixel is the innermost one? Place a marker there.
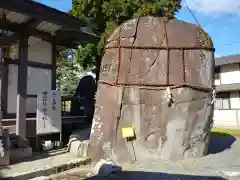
(44, 22)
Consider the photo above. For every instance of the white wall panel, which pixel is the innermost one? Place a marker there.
(39, 51)
(38, 80)
(12, 88)
(230, 74)
(225, 119)
(234, 100)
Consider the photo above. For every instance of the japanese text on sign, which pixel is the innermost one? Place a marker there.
(49, 112)
(54, 101)
(44, 108)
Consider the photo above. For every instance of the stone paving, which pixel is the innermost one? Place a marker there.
(220, 166)
(44, 165)
(223, 165)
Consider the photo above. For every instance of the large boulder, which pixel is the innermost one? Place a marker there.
(157, 77)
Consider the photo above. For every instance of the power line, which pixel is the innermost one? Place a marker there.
(192, 14)
(230, 44)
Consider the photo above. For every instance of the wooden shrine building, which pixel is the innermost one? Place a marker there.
(30, 34)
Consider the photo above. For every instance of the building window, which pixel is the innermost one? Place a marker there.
(223, 101)
(217, 73)
(218, 103)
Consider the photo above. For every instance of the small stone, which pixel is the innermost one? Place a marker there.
(105, 168)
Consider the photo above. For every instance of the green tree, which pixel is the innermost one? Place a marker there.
(105, 15)
(67, 72)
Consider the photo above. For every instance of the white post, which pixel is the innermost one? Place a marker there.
(1, 127)
(1, 137)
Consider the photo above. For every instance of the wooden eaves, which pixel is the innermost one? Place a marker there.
(69, 32)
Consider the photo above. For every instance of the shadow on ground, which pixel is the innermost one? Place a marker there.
(2, 168)
(141, 175)
(220, 142)
(135, 175)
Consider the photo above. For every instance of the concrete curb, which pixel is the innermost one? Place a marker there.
(231, 175)
(80, 173)
(49, 171)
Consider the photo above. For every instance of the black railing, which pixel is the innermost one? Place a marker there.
(66, 104)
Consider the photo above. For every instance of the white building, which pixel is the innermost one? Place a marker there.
(227, 82)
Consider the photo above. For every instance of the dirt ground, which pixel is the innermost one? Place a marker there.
(222, 162)
(73, 174)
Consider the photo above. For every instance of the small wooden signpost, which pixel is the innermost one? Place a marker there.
(49, 120)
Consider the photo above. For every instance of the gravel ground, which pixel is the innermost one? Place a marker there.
(224, 164)
(78, 174)
(73, 174)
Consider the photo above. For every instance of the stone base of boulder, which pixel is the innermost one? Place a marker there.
(79, 148)
(78, 142)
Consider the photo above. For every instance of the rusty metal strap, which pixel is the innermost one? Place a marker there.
(161, 102)
(161, 48)
(156, 87)
(118, 47)
(118, 59)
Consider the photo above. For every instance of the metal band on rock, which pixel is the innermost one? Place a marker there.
(167, 48)
(118, 60)
(161, 48)
(156, 86)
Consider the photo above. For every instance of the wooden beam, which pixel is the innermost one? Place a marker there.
(39, 11)
(43, 12)
(31, 96)
(24, 28)
(13, 116)
(63, 38)
(39, 65)
(28, 28)
(5, 38)
(29, 63)
(76, 36)
(22, 91)
(32, 23)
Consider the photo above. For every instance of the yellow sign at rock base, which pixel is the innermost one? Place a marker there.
(128, 132)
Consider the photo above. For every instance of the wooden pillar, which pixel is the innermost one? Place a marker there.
(4, 84)
(22, 90)
(54, 65)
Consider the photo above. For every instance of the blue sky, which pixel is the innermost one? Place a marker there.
(220, 18)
